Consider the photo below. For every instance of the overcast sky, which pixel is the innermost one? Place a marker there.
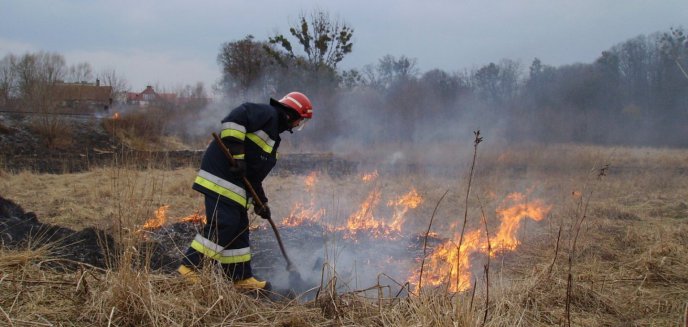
(172, 43)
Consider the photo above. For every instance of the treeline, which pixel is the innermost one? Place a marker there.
(29, 81)
(635, 93)
(35, 83)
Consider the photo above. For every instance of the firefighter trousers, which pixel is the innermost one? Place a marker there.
(224, 239)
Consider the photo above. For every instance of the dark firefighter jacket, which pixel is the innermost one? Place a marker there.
(251, 133)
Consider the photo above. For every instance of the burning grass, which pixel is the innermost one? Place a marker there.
(629, 266)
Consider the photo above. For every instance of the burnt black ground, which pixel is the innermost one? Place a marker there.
(23, 230)
(358, 263)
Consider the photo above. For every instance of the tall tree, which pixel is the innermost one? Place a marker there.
(245, 65)
(497, 84)
(635, 59)
(324, 41)
(538, 86)
(390, 70)
(674, 45)
(37, 75)
(608, 77)
(443, 88)
(81, 72)
(8, 79)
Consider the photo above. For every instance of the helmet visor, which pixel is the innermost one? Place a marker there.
(300, 123)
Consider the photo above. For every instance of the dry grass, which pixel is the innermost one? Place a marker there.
(144, 130)
(630, 265)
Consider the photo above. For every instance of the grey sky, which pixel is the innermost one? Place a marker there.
(173, 43)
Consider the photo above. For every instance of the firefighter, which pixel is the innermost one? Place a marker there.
(251, 132)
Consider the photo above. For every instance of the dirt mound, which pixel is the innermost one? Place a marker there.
(20, 229)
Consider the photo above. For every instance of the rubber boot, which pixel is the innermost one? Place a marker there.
(252, 284)
(189, 274)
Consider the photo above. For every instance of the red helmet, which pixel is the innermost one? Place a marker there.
(299, 102)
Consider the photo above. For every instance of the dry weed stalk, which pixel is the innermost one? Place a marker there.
(476, 141)
(556, 251)
(487, 265)
(425, 242)
(577, 227)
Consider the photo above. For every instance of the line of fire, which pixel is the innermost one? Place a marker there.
(375, 239)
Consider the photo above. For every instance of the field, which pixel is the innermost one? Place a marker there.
(601, 240)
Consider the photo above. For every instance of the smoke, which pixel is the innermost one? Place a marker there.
(353, 264)
(208, 119)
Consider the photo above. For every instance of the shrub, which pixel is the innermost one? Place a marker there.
(55, 131)
(139, 129)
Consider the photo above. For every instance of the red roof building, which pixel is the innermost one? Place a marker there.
(148, 97)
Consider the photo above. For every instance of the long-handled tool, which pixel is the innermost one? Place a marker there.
(290, 266)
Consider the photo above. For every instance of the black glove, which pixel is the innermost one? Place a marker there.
(262, 211)
(239, 169)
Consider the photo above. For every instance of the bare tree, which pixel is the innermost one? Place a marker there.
(119, 85)
(195, 97)
(37, 75)
(8, 79)
(81, 72)
(391, 70)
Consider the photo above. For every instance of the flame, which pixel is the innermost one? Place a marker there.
(511, 217)
(310, 181)
(363, 218)
(195, 217)
(369, 177)
(115, 116)
(410, 200)
(302, 213)
(449, 265)
(158, 219)
(441, 266)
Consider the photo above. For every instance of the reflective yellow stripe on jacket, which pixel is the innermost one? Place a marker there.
(262, 140)
(223, 187)
(230, 129)
(217, 252)
(234, 130)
